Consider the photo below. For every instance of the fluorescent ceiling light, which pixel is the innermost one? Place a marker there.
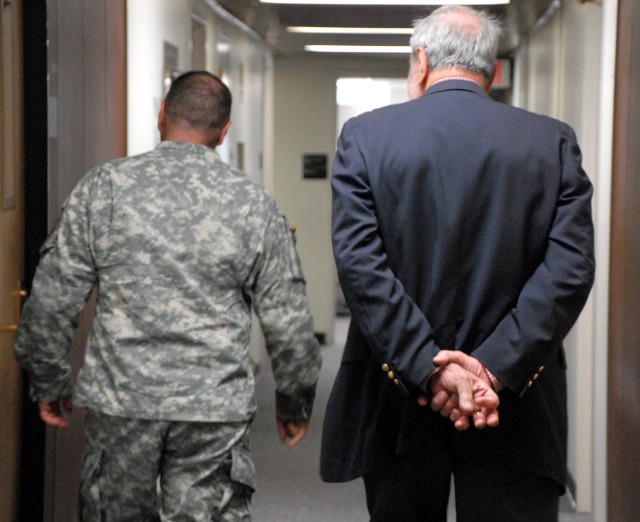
(386, 2)
(398, 49)
(350, 30)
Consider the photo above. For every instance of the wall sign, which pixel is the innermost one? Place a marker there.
(314, 166)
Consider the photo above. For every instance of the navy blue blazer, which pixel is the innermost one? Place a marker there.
(458, 223)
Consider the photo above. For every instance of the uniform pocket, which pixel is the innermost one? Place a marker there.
(242, 469)
(89, 503)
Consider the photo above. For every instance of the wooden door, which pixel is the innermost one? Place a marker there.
(624, 306)
(86, 70)
(11, 226)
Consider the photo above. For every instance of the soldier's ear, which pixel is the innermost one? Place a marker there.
(161, 118)
(223, 133)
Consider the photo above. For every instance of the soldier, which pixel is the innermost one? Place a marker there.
(180, 247)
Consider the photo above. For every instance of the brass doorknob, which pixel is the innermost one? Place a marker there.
(19, 294)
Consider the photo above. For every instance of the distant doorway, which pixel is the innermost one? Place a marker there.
(357, 95)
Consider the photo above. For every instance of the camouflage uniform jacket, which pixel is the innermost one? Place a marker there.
(180, 246)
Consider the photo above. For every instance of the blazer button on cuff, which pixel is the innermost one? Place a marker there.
(385, 367)
(391, 375)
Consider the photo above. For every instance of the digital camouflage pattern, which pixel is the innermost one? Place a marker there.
(179, 246)
(206, 470)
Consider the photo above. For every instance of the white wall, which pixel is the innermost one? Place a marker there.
(578, 94)
(304, 108)
(150, 23)
(557, 73)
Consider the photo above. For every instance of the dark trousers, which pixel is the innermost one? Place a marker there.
(414, 489)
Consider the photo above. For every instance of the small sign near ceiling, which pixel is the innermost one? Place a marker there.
(502, 77)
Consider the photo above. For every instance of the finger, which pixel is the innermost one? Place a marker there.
(439, 400)
(455, 415)
(462, 424)
(488, 400)
(423, 400)
(449, 406)
(297, 432)
(493, 419)
(445, 357)
(282, 430)
(465, 396)
(479, 420)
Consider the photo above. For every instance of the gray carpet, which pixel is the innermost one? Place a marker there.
(289, 486)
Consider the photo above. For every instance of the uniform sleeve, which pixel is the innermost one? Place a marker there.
(63, 282)
(396, 330)
(282, 306)
(551, 300)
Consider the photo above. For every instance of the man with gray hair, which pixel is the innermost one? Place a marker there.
(180, 247)
(463, 239)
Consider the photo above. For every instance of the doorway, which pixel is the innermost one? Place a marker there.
(357, 95)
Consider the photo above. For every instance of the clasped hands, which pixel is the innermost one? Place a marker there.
(462, 391)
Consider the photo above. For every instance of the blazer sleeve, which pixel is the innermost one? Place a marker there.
(552, 298)
(395, 329)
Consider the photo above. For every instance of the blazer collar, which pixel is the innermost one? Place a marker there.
(455, 85)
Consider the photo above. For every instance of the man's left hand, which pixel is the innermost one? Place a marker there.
(292, 432)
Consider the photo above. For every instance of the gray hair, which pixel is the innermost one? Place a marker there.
(453, 41)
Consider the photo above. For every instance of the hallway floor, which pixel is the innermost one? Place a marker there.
(289, 486)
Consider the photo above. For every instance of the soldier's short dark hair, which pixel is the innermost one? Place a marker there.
(200, 99)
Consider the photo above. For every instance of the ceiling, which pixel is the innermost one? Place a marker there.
(270, 21)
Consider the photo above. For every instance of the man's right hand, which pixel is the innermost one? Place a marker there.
(54, 413)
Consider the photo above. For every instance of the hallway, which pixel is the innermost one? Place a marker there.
(289, 486)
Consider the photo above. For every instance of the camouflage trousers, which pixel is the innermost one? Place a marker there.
(142, 470)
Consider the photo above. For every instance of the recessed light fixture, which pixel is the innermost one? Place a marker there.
(389, 49)
(350, 30)
(385, 2)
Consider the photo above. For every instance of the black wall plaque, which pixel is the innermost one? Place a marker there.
(314, 166)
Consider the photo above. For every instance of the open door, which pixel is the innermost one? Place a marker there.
(11, 229)
(86, 82)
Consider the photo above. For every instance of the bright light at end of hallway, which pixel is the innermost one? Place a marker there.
(362, 92)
